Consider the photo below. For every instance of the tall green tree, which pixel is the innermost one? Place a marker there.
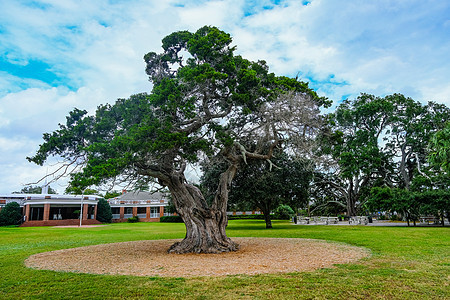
(410, 128)
(378, 141)
(206, 101)
(356, 158)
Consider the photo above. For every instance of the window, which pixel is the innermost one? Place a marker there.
(154, 212)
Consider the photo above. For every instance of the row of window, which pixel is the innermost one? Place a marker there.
(141, 212)
(59, 212)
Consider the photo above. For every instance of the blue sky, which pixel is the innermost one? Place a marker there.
(59, 54)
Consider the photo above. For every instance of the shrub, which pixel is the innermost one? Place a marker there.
(104, 213)
(394, 218)
(171, 219)
(133, 219)
(283, 212)
(11, 214)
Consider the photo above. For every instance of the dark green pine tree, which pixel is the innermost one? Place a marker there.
(104, 213)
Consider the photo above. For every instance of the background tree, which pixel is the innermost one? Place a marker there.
(394, 200)
(439, 156)
(81, 191)
(378, 141)
(259, 186)
(410, 128)
(104, 213)
(325, 200)
(353, 146)
(433, 202)
(11, 214)
(34, 190)
(410, 204)
(112, 194)
(205, 101)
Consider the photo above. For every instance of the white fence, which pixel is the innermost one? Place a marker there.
(358, 220)
(240, 213)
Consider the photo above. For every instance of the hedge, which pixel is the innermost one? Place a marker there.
(246, 217)
(171, 219)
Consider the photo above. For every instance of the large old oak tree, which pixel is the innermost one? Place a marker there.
(205, 102)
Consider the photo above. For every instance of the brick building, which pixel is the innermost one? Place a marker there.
(149, 207)
(53, 210)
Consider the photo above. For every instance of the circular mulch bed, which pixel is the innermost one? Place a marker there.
(150, 258)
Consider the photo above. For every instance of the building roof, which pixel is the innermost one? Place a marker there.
(23, 199)
(141, 195)
(52, 196)
(140, 198)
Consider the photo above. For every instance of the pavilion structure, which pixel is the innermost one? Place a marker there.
(55, 210)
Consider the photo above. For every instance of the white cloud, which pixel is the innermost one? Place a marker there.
(215, 13)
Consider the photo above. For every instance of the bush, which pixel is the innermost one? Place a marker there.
(11, 214)
(134, 219)
(104, 213)
(171, 219)
(394, 218)
(283, 212)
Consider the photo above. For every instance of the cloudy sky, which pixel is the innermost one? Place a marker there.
(59, 54)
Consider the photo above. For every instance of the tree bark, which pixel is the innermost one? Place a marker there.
(267, 219)
(205, 226)
(351, 209)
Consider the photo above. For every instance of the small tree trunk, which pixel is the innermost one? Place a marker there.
(267, 219)
(351, 209)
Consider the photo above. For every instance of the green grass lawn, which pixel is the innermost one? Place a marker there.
(406, 263)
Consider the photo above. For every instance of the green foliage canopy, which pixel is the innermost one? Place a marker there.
(203, 96)
(376, 141)
(440, 149)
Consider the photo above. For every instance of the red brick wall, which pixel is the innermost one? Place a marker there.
(59, 223)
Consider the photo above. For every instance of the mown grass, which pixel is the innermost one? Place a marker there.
(406, 263)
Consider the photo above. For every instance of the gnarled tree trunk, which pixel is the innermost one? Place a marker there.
(205, 225)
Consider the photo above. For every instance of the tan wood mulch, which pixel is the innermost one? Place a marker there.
(150, 258)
